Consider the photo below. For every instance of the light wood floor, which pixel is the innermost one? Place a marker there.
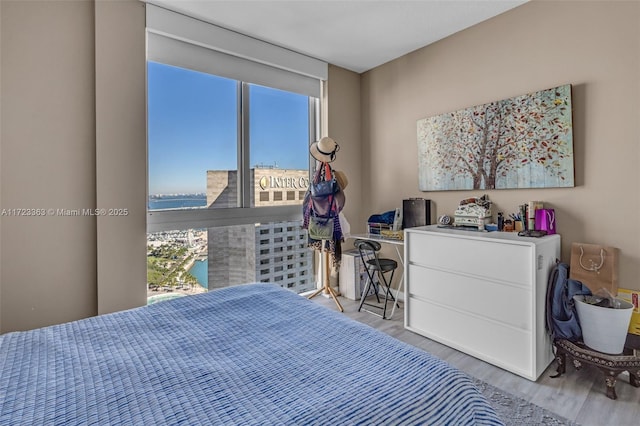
(576, 395)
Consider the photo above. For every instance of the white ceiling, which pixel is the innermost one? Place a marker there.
(354, 34)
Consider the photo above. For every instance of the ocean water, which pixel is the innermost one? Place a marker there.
(200, 270)
(180, 201)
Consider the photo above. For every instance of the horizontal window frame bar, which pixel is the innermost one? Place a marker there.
(182, 219)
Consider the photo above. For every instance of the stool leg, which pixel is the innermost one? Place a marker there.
(561, 359)
(610, 380)
(387, 290)
(376, 290)
(634, 378)
(394, 299)
(364, 293)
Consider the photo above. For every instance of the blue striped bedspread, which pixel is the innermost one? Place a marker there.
(253, 354)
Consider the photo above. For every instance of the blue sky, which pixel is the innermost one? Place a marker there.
(192, 128)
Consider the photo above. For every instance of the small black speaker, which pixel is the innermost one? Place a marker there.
(416, 212)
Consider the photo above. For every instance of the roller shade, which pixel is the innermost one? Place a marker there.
(186, 42)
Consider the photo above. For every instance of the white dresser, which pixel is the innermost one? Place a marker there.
(482, 293)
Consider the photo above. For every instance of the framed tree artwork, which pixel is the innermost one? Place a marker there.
(521, 142)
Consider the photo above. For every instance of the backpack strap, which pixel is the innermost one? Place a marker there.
(328, 175)
(553, 277)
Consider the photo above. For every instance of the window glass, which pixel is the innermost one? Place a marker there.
(192, 139)
(202, 156)
(197, 260)
(279, 141)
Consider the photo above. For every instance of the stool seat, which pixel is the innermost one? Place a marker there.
(386, 265)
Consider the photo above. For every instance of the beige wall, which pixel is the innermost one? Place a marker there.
(52, 88)
(48, 161)
(121, 153)
(343, 117)
(595, 46)
(0, 171)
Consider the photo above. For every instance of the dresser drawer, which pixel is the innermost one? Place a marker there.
(489, 299)
(496, 261)
(493, 342)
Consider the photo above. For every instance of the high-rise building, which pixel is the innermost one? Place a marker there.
(273, 186)
(267, 252)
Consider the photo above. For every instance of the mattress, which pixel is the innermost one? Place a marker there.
(249, 354)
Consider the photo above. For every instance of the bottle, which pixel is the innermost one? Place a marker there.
(480, 222)
(500, 221)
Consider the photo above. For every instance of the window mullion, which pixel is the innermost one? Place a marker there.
(244, 157)
(314, 129)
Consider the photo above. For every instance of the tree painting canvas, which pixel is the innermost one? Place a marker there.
(521, 142)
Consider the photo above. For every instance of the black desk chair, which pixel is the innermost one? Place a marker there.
(377, 270)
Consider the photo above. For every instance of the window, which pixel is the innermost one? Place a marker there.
(227, 136)
(214, 142)
(193, 133)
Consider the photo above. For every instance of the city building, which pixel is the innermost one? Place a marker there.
(274, 187)
(266, 252)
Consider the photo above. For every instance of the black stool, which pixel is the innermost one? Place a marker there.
(377, 270)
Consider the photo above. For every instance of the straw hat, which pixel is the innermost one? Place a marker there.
(341, 178)
(324, 150)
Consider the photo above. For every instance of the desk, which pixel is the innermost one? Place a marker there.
(398, 245)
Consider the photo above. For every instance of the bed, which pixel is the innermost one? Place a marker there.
(249, 354)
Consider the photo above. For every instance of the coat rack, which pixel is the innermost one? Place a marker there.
(326, 287)
(324, 151)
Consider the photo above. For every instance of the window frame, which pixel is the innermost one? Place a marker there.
(180, 219)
